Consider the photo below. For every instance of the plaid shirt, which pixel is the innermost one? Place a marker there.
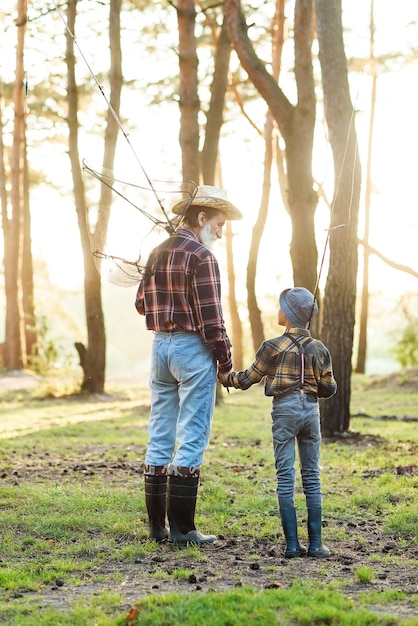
(183, 291)
(278, 361)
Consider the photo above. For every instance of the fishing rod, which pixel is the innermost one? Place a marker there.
(337, 187)
(107, 184)
(170, 226)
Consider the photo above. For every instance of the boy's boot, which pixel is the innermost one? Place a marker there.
(290, 529)
(182, 496)
(316, 548)
(156, 502)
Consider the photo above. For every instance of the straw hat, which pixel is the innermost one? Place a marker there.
(209, 196)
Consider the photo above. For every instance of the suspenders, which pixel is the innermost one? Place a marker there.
(301, 358)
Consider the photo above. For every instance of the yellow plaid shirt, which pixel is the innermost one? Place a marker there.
(278, 362)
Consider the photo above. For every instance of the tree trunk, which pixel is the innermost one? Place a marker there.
(254, 313)
(340, 290)
(209, 165)
(92, 358)
(28, 299)
(4, 220)
(14, 355)
(236, 326)
(302, 197)
(112, 127)
(296, 124)
(364, 313)
(214, 115)
(189, 99)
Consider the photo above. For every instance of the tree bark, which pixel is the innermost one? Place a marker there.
(214, 115)
(94, 355)
(211, 170)
(296, 124)
(188, 98)
(340, 290)
(28, 298)
(364, 312)
(14, 354)
(112, 128)
(254, 313)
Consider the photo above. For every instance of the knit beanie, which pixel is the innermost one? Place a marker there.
(298, 305)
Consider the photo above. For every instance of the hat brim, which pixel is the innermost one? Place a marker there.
(231, 211)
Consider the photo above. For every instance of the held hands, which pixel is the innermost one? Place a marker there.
(223, 378)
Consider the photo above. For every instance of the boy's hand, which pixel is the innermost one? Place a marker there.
(223, 378)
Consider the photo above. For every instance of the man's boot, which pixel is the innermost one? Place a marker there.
(316, 548)
(182, 496)
(290, 529)
(156, 502)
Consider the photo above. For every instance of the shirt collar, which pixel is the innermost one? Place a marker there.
(298, 331)
(186, 231)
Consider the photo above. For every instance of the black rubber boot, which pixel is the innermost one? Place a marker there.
(316, 548)
(182, 496)
(290, 529)
(156, 501)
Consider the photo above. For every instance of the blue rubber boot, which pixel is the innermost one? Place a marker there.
(316, 548)
(290, 529)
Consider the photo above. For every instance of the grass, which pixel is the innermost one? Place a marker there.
(67, 509)
(364, 574)
(305, 605)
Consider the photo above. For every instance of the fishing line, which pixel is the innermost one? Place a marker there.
(114, 114)
(337, 187)
(102, 179)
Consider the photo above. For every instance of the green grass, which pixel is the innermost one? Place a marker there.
(305, 605)
(71, 500)
(364, 574)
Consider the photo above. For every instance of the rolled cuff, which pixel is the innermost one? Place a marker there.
(226, 367)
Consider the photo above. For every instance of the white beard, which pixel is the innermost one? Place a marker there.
(207, 237)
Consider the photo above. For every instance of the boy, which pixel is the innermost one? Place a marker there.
(297, 371)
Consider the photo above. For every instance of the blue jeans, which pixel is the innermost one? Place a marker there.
(296, 419)
(183, 383)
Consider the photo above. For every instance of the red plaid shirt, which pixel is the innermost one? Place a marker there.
(183, 291)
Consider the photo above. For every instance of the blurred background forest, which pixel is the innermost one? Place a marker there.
(137, 64)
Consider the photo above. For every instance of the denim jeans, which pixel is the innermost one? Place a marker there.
(183, 383)
(296, 419)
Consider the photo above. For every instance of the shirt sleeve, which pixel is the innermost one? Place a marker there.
(254, 374)
(139, 300)
(327, 385)
(206, 290)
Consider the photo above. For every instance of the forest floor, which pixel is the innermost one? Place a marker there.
(231, 562)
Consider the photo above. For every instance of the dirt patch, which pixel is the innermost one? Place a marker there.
(405, 379)
(231, 562)
(18, 379)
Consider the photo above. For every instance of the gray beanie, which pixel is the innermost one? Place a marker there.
(298, 305)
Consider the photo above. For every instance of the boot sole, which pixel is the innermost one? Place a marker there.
(192, 538)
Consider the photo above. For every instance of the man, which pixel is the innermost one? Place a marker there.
(180, 296)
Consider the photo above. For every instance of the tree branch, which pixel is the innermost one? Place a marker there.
(382, 257)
